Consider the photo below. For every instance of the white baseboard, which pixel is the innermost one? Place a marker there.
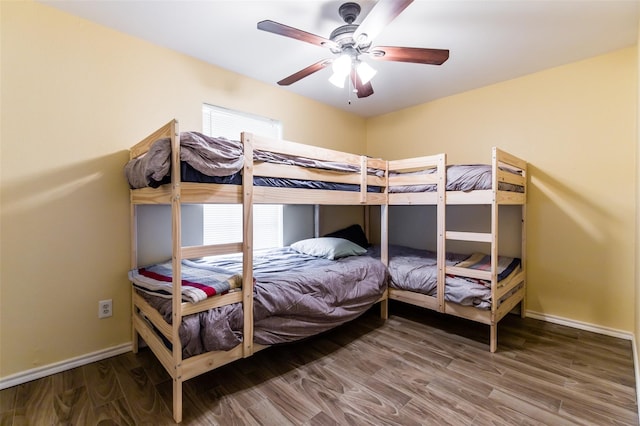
(47, 370)
(581, 325)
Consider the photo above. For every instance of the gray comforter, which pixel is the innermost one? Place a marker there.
(466, 177)
(416, 270)
(212, 156)
(295, 296)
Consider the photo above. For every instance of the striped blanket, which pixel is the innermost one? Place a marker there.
(198, 282)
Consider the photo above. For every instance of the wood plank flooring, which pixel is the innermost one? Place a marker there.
(417, 368)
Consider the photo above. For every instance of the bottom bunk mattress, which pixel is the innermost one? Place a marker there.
(295, 296)
(416, 270)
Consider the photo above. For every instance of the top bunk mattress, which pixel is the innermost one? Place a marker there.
(206, 159)
(466, 177)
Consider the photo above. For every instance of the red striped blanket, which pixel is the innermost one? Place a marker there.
(198, 283)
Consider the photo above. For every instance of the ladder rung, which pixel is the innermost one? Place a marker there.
(482, 237)
(210, 250)
(468, 272)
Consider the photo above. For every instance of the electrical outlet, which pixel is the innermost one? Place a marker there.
(105, 308)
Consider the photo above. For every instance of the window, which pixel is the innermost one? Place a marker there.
(217, 121)
(222, 223)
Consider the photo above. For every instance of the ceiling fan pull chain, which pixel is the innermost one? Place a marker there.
(353, 85)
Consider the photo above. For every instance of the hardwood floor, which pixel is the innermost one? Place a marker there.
(417, 368)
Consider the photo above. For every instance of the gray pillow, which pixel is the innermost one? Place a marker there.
(328, 247)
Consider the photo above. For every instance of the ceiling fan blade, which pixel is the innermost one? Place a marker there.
(363, 90)
(380, 16)
(287, 31)
(305, 72)
(409, 54)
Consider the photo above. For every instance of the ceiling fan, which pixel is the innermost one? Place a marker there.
(351, 41)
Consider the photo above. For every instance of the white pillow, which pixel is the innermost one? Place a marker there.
(328, 247)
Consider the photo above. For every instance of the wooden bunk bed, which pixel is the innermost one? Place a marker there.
(409, 185)
(163, 336)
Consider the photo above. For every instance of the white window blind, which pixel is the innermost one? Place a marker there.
(223, 222)
(217, 121)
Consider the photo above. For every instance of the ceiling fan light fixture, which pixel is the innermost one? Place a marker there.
(365, 72)
(342, 65)
(338, 80)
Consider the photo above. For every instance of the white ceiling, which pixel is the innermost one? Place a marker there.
(489, 41)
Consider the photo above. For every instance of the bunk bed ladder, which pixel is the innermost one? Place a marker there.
(483, 237)
(497, 198)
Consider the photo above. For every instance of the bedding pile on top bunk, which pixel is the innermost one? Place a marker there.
(416, 270)
(208, 159)
(296, 295)
(467, 177)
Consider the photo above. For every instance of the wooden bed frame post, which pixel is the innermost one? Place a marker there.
(384, 221)
(384, 257)
(247, 244)
(363, 179)
(384, 238)
(384, 228)
(523, 250)
(441, 214)
(133, 226)
(176, 238)
(493, 338)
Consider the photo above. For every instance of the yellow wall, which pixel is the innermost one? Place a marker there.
(75, 96)
(576, 125)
